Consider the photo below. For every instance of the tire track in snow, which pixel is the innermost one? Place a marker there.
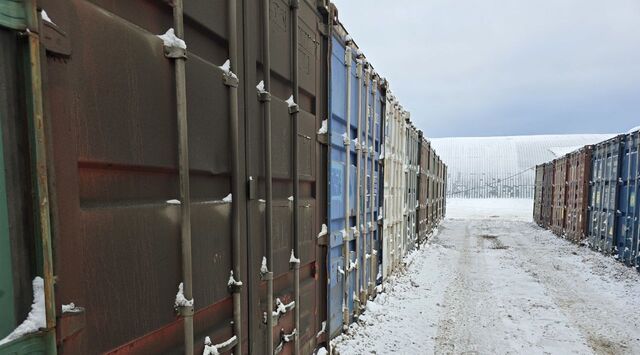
(596, 317)
(518, 290)
(466, 318)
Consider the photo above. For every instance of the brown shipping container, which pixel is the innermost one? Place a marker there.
(547, 194)
(444, 192)
(440, 189)
(578, 175)
(119, 159)
(559, 195)
(537, 199)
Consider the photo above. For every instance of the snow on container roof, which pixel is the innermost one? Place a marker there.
(560, 151)
(484, 167)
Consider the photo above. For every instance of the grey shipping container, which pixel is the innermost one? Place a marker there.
(627, 229)
(605, 169)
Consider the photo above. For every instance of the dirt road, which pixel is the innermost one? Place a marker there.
(495, 285)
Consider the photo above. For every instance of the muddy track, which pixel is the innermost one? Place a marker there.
(464, 309)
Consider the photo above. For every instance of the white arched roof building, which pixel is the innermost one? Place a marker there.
(485, 167)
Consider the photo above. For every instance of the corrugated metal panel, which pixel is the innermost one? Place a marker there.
(411, 174)
(547, 194)
(559, 195)
(394, 154)
(355, 97)
(423, 189)
(578, 175)
(537, 200)
(603, 200)
(627, 230)
(115, 150)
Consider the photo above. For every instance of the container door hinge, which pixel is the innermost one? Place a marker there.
(70, 323)
(323, 28)
(322, 138)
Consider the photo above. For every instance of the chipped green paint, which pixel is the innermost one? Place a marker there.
(32, 344)
(7, 307)
(13, 14)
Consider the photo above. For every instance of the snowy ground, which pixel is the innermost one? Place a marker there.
(513, 209)
(492, 282)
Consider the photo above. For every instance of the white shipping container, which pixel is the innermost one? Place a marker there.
(394, 186)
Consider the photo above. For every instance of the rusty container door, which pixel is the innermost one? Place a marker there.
(439, 190)
(444, 191)
(119, 211)
(117, 149)
(432, 188)
(537, 199)
(297, 97)
(603, 199)
(578, 174)
(547, 195)
(559, 195)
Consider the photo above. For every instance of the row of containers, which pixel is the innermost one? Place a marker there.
(590, 195)
(198, 177)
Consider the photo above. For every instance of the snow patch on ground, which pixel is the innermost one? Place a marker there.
(492, 282)
(513, 209)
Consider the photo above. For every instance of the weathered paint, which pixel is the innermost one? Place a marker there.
(411, 176)
(559, 195)
(394, 185)
(537, 199)
(115, 163)
(547, 194)
(603, 200)
(8, 319)
(578, 175)
(629, 212)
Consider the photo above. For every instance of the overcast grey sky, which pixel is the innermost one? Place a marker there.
(490, 67)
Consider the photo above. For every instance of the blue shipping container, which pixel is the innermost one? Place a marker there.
(627, 227)
(355, 110)
(603, 197)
